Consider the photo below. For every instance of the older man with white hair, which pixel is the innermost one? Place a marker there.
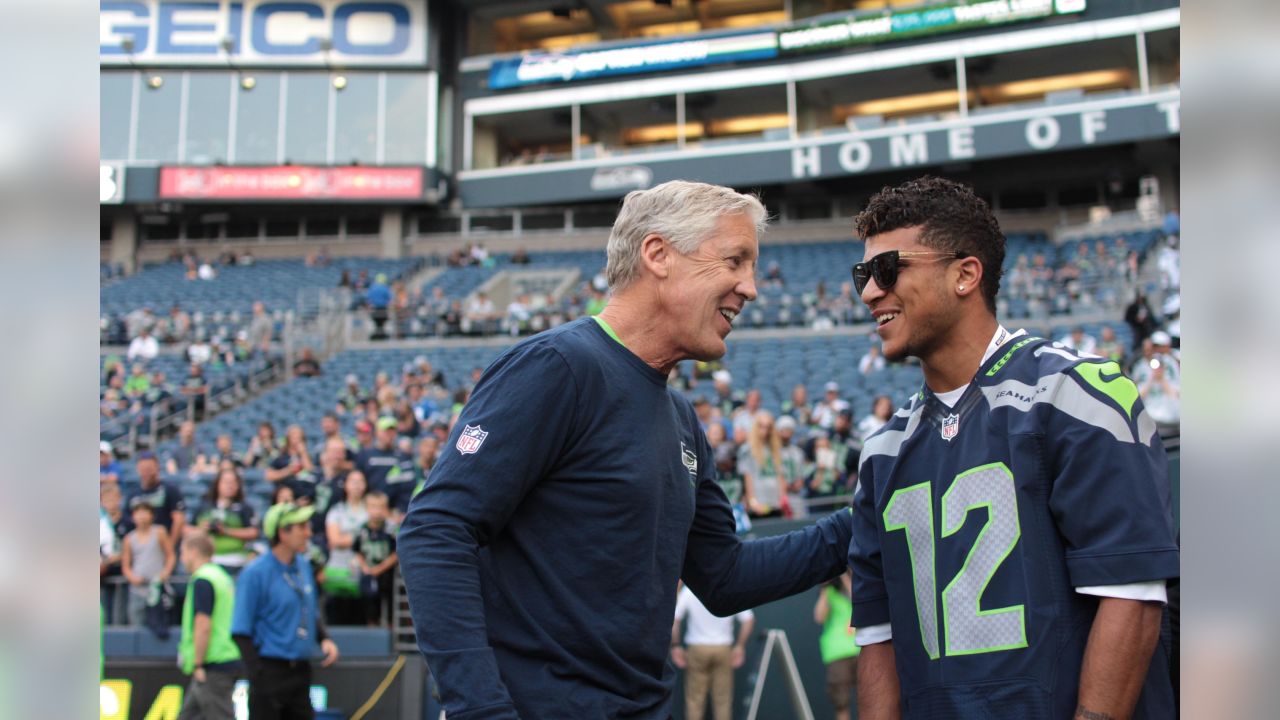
(576, 488)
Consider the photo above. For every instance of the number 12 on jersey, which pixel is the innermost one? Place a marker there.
(970, 630)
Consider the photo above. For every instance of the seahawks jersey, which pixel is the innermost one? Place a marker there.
(973, 526)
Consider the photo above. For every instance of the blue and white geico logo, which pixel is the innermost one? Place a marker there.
(263, 32)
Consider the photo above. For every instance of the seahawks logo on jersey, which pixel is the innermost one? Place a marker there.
(690, 460)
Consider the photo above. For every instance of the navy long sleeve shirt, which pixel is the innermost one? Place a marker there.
(542, 556)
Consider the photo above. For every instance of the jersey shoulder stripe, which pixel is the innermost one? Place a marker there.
(1090, 389)
(889, 438)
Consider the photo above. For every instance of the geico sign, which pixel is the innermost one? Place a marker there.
(344, 32)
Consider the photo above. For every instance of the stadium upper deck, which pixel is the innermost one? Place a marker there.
(764, 103)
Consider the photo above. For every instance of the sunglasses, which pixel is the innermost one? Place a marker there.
(883, 268)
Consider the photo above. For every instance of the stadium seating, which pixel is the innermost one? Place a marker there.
(809, 277)
(222, 306)
(771, 365)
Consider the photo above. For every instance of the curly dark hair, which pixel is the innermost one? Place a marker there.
(953, 219)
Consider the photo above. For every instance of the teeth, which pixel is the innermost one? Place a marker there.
(729, 315)
(882, 319)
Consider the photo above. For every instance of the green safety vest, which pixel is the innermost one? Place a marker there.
(221, 647)
(837, 642)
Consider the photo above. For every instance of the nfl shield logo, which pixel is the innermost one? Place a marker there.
(471, 439)
(950, 426)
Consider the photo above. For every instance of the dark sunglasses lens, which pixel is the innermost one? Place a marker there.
(884, 268)
(860, 277)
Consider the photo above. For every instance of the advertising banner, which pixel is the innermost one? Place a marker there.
(568, 66)
(388, 688)
(263, 33)
(110, 184)
(827, 32)
(864, 28)
(291, 182)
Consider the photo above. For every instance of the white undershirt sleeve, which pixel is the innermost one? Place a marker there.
(1153, 591)
(873, 634)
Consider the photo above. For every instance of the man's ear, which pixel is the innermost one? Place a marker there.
(969, 276)
(655, 255)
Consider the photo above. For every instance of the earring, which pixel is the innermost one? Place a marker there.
(960, 288)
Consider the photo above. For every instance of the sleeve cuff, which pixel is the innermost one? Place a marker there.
(1153, 591)
(1122, 568)
(873, 634)
(871, 612)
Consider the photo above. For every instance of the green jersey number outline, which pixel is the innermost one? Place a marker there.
(970, 630)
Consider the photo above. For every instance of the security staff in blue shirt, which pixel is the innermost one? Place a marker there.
(277, 620)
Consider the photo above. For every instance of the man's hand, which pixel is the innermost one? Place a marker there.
(739, 656)
(199, 675)
(677, 657)
(330, 650)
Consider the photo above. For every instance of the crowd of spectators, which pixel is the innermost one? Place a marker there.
(1098, 275)
(135, 389)
(361, 484)
(397, 311)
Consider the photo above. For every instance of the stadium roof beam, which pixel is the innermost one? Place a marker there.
(601, 16)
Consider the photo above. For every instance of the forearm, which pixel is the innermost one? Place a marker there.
(386, 565)
(439, 557)
(822, 608)
(878, 693)
(248, 655)
(200, 638)
(731, 576)
(322, 630)
(170, 557)
(245, 533)
(1120, 646)
(744, 633)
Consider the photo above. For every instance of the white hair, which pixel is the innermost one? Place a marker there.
(684, 213)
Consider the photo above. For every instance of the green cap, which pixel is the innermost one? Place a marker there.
(386, 423)
(285, 514)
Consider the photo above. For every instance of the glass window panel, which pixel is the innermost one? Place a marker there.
(306, 126)
(629, 125)
(243, 228)
(282, 227)
(158, 117)
(356, 121)
(208, 113)
(322, 227)
(1061, 72)
(406, 119)
(166, 229)
(116, 105)
(364, 224)
(520, 138)
(257, 120)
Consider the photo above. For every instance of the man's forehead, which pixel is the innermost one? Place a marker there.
(901, 239)
(737, 230)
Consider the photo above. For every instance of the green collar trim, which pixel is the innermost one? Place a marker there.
(600, 321)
